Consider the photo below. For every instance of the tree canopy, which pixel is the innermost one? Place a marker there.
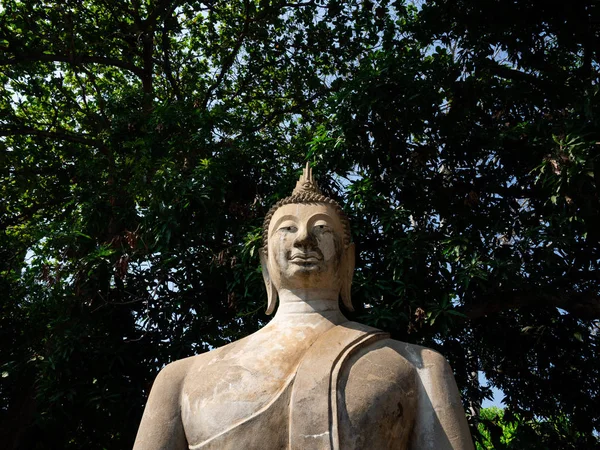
(142, 142)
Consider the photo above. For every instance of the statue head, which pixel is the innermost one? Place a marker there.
(306, 244)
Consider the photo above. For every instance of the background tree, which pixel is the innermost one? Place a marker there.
(142, 143)
(499, 431)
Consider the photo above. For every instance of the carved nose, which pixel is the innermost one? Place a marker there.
(305, 240)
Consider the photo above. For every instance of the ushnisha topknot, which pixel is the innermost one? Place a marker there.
(306, 184)
(306, 192)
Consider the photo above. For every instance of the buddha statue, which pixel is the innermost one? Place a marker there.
(310, 379)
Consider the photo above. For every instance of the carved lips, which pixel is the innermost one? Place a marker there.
(306, 259)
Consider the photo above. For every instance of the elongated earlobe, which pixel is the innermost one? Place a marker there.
(347, 272)
(271, 290)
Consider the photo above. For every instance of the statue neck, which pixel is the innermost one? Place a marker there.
(315, 304)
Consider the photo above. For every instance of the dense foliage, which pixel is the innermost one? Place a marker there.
(499, 430)
(142, 142)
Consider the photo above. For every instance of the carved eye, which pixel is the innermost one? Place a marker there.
(288, 229)
(321, 228)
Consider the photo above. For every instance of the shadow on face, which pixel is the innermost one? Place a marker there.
(305, 246)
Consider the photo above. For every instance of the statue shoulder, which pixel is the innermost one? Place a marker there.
(174, 374)
(420, 357)
(394, 358)
(409, 365)
(171, 377)
(415, 355)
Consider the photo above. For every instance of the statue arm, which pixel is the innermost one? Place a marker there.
(161, 427)
(440, 423)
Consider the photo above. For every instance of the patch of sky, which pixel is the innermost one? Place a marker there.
(497, 395)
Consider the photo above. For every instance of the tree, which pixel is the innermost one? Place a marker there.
(477, 148)
(498, 431)
(482, 151)
(143, 142)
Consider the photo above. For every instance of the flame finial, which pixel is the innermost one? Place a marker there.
(306, 184)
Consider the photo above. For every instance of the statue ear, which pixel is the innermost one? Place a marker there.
(271, 289)
(347, 274)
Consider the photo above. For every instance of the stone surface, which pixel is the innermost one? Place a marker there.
(310, 379)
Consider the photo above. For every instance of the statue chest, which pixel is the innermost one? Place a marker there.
(225, 395)
(231, 384)
(232, 403)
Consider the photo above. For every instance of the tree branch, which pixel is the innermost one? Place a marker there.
(230, 58)
(516, 75)
(99, 96)
(27, 213)
(59, 135)
(584, 306)
(298, 5)
(34, 56)
(167, 62)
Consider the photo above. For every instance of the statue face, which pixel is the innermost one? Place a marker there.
(305, 246)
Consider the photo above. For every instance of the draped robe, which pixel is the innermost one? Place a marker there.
(352, 388)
